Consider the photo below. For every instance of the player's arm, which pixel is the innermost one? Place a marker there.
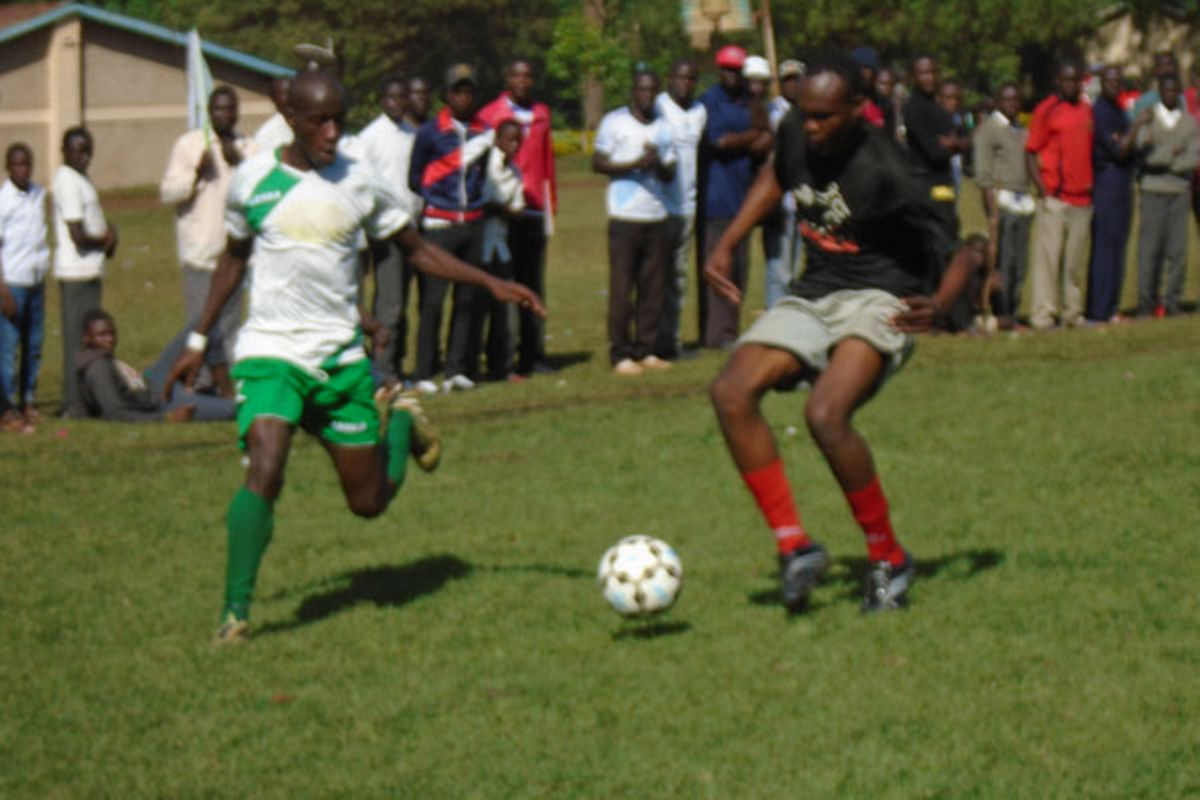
(921, 311)
(433, 260)
(764, 194)
(231, 270)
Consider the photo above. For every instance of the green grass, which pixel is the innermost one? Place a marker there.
(458, 646)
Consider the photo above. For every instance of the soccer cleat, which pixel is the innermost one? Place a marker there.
(424, 442)
(799, 573)
(887, 585)
(233, 630)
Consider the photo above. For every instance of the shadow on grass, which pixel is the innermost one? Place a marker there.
(568, 358)
(396, 586)
(850, 574)
(383, 586)
(650, 629)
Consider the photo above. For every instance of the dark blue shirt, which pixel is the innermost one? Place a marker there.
(1108, 120)
(724, 176)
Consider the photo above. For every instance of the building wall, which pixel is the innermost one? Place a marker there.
(24, 97)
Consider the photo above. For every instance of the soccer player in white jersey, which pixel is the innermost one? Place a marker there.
(294, 215)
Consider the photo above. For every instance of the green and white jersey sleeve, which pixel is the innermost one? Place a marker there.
(304, 261)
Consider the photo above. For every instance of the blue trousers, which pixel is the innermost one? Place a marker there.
(22, 334)
(1112, 200)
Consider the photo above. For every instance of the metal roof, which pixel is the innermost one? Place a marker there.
(142, 28)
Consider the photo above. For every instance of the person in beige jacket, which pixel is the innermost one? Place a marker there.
(196, 182)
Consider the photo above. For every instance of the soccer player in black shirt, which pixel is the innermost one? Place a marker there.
(875, 246)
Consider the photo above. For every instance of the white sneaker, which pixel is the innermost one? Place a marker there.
(654, 362)
(627, 367)
(460, 382)
(426, 387)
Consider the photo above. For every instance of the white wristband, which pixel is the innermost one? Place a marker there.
(197, 341)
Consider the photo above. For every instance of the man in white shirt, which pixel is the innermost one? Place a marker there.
(295, 215)
(782, 249)
(24, 259)
(685, 117)
(387, 145)
(634, 148)
(196, 182)
(84, 238)
(275, 131)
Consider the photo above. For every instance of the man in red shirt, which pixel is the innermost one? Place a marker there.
(527, 235)
(1058, 155)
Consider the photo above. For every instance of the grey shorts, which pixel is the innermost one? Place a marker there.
(809, 329)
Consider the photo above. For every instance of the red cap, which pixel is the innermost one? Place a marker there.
(731, 57)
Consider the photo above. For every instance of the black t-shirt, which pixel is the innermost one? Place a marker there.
(866, 216)
(924, 122)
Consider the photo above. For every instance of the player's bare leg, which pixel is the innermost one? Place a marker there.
(854, 372)
(364, 477)
(737, 395)
(251, 521)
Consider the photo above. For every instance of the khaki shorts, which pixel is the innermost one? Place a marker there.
(809, 329)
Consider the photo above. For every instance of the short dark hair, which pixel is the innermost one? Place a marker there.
(683, 62)
(644, 69)
(389, 81)
(94, 316)
(839, 62)
(1068, 62)
(507, 122)
(17, 147)
(76, 131)
(1004, 87)
(223, 89)
(512, 62)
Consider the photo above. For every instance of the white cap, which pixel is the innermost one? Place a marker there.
(756, 67)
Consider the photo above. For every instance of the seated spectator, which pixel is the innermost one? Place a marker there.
(111, 389)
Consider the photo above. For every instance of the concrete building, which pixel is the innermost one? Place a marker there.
(65, 64)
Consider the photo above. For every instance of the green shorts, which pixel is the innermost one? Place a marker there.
(809, 329)
(336, 405)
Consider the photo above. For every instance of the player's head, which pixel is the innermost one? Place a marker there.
(831, 100)
(645, 89)
(681, 81)
(1066, 80)
(418, 98)
(279, 92)
(18, 160)
(461, 83)
(1165, 64)
(509, 136)
(518, 80)
(316, 111)
(393, 97)
(925, 74)
(223, 109)
(950, 95)
(77, 148)
(1008, 100)
(99, 331)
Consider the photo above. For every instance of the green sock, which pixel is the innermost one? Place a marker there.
(398, 430)
(250, 522)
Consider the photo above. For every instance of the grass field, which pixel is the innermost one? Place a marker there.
(458, 646)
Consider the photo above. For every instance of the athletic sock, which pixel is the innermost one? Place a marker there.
(870, 510)
(771, 491)
(398, 431)
(250, 522)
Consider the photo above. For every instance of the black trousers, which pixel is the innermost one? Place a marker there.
(393, 280)
(465, 241)
(639, 261)
(527, 242)
(718, 316)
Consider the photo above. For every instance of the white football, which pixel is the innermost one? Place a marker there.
(640, 575)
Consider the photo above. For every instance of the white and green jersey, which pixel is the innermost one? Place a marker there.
(303, 265)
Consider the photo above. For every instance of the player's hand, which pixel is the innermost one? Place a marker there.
(522, 296)
(8, 304)
(184, 369)
(110, 240)
(181, 414)
(918, 316)
(716, 273)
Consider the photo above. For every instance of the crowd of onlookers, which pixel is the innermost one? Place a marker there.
(479, 179)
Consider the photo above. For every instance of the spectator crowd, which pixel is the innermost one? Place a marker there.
(1058, 187)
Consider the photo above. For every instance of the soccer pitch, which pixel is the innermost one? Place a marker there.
(459, 647)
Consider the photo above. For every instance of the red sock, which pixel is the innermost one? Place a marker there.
(870, 510)
(771, 491)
